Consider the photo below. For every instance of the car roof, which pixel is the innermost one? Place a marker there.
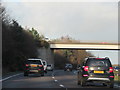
(44, 60)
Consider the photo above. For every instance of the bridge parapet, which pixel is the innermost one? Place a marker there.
(86, 46)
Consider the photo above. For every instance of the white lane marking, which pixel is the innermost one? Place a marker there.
(61, 85)
(53, 74)
(75, 72)
(53, 77)
(10, 77)
(56, 80)
(117, 86)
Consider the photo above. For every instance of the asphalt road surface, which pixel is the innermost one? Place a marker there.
(53, 79)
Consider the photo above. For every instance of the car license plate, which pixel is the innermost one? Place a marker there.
(98, 71)
(33, 70)
(32, 65)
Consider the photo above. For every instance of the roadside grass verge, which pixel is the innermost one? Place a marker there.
(6, 73)
(117, 77)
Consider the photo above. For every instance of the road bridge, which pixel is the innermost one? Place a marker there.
(86, 46)
(48, 54)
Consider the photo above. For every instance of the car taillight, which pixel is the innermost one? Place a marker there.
(85, 75)
(26, 65)
(111, 76)
(86, 68)
(110, 69)
(40, 65)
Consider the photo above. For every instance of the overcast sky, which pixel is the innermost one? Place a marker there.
(84, 21)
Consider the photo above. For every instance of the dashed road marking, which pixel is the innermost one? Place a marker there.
(53, 77)
(10, 77)
(56, 80)
(117, 86)
(61, 85)
(75, 72)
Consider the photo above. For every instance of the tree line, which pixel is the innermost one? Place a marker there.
(18, 44)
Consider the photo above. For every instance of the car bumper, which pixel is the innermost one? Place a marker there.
(34, 71)
(49, 69)
(98, 79)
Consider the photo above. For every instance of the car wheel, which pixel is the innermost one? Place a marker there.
(78, 82)
(111, 85)
(42, 74)
(82, 83)
(25, 74)
(79, 79)
(45, 71)
(104, 84)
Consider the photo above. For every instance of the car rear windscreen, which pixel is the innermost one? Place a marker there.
(44, 63)
(48, 65)
(34, 62)
(101, 62)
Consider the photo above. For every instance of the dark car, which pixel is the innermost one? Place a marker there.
(96, 70)
(34, 66)
(68, 67)
(116, 68)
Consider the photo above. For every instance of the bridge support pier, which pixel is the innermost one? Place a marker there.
(46, 54)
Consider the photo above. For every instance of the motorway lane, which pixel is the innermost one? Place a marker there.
(69, 80)
(56, 79)
(32, 81)
(66, 78)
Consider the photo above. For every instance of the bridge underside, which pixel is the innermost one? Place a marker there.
(86, 46)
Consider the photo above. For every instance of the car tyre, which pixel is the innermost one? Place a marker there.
(82, 83)
(42, 74)
(111, 85)
(104, 84)
(25, 74)
(78, 82)
(45, 71)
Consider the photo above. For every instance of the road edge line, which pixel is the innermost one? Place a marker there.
(10, 77)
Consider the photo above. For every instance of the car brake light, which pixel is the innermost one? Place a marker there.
(27, 68)
(111, 76)
(26, 65)
(40, 65)
(85, 75)
(110, 69)
(86, 68)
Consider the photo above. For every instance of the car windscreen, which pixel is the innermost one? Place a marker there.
(44, 63)
(101, 62)
(34, 62)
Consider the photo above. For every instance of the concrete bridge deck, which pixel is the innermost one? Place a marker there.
(86, 46)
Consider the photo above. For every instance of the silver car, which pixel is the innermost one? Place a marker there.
(49, 67)
(45, 66)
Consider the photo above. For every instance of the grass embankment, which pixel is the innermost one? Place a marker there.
(6, 73)
(117, 77)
